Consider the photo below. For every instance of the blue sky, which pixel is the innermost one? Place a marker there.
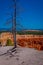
(30, 16)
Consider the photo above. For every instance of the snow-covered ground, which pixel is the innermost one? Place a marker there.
(23, 56)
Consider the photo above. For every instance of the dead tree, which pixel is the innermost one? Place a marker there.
(13, 20)
(14, 24)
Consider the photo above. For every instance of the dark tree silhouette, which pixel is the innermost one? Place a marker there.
(13, 20)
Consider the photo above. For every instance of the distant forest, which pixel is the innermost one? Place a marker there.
(30, 32)
(26, 32)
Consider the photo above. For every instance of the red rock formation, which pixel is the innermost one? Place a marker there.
(31, 42)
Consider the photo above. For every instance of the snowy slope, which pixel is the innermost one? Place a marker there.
(23, 56)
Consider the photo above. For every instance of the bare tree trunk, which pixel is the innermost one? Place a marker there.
(14, 24)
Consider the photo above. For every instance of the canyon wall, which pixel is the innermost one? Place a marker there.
(31, 41)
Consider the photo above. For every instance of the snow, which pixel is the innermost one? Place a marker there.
(23, 56)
